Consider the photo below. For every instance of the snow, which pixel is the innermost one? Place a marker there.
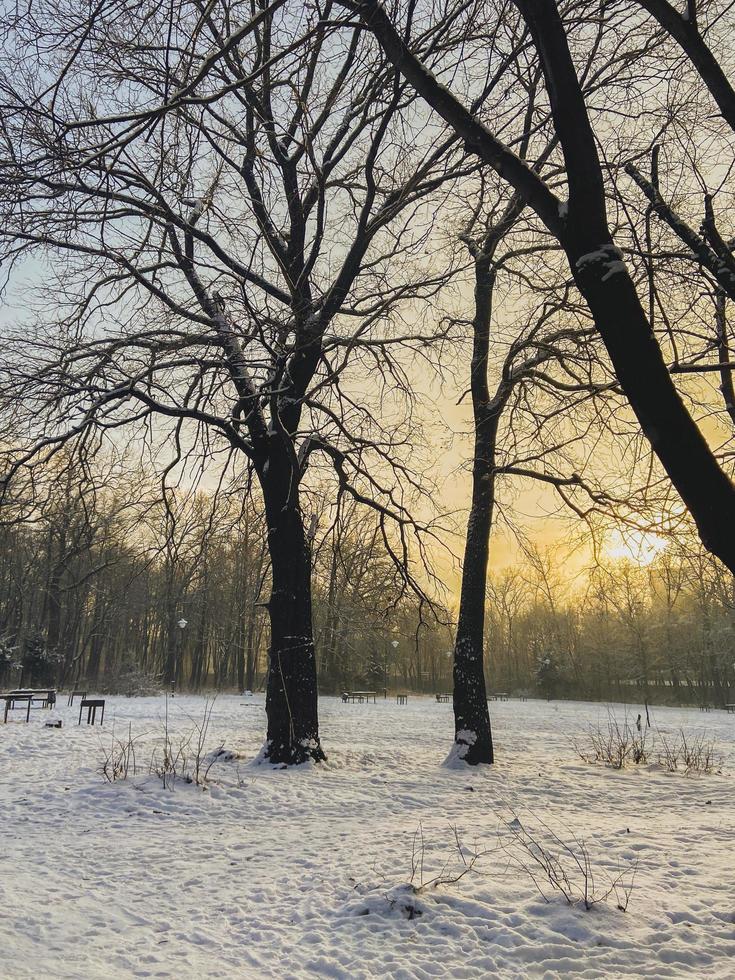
(608, 257)
(458, 752)
(307, 873)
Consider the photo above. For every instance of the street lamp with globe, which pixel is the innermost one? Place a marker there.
(182, 624)
(394, 644)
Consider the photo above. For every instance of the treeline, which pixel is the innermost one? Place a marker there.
(663, 632)
(134, 597)
(134, 594)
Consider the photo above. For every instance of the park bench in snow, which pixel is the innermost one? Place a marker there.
(443, 697)
(91, 705)
(358, 696)
(730, 707)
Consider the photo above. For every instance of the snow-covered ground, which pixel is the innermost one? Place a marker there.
(304, 873)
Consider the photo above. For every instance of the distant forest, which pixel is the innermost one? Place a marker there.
(182, 603)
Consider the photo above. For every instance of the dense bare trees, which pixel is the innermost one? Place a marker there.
(663, 631)
(112, 619)
(622, 631)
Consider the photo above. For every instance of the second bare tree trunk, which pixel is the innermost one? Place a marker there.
(472, 731)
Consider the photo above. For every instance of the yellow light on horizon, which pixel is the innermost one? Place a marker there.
(639, 547)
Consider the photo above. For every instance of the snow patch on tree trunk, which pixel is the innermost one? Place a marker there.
(456, 759)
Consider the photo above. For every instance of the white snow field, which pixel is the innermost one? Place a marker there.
(305, 873)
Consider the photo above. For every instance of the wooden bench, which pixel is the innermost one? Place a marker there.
(91, 705)
(75, 694)
(443, 697)
(401, 699)
(500, 696)
(705, 707)
(730, 707)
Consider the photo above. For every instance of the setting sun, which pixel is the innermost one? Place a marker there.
(640, 547)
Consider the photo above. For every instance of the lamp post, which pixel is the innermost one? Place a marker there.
(394, 644)
(182, 623)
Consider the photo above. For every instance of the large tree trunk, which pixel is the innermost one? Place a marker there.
(291, 692)
(680, 446)
(606, 285)
(472, 732)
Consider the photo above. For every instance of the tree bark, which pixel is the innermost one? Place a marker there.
(291, 690)
(605, 283)
(705, 489)
(700, 249)
(723, 350)
(472, 731)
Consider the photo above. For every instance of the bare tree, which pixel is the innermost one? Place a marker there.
(580, 224)
(551, 387)
(227, 216)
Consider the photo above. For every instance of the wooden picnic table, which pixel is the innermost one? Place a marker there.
(499, 696)
(46, 695)
(443, 697)
(10, 700)
(359, 696)
(730, 707)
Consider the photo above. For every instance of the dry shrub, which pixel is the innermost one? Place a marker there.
(184, 759)
(565, 866)
(619, 744)
(688, 753)
(616, 745)
(453, 869)
(118, 760)
(554, 862)
(180, 759)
